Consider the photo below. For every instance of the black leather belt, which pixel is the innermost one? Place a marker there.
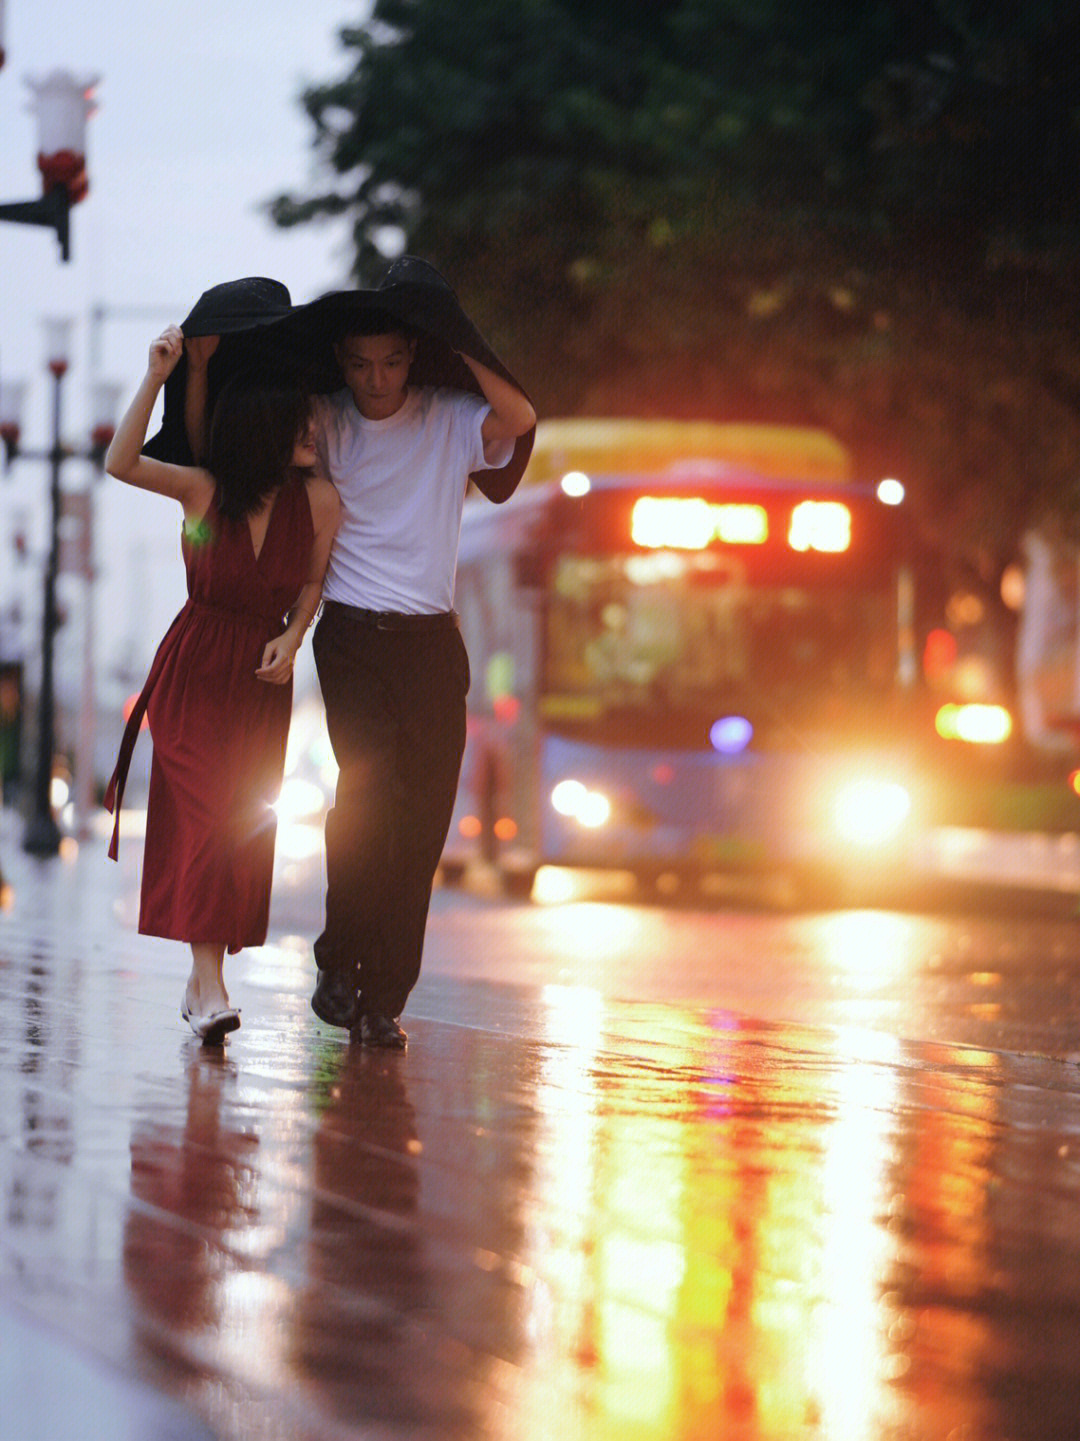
(392, 619)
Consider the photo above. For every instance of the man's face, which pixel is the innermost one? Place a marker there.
(376, 370)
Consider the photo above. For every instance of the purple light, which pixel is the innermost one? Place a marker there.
(731, 735)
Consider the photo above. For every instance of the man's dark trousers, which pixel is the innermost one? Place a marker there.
(394, 690)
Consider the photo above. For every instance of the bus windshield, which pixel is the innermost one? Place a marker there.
(689, 636)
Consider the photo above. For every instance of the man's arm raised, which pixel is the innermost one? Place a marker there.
(199, 349)
(511, 412)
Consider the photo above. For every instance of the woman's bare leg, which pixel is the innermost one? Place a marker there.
(206, 991)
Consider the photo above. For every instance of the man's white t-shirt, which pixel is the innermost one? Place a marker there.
(402, 485)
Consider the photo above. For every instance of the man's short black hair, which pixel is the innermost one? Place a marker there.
(373, 322)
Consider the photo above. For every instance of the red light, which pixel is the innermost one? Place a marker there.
(505, 828)
(939, 654)
(470, 827)
(129, 706)
(506, 708)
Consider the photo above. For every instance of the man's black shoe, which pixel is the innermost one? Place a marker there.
(376, 1030)
(334, 1000)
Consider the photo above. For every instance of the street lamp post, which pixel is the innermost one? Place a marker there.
(62, 105)
(42, 836)
(105, 402)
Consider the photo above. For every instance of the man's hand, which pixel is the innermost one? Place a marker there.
(511, 412)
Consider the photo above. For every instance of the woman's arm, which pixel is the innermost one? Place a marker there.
(280, 653)
(124, 459)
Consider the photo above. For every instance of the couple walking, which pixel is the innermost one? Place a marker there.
(321, 455)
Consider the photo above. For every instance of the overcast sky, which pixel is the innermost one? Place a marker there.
(198, 123)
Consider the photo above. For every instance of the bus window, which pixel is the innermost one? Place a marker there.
(690, 632)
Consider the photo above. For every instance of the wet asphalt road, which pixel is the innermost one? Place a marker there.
(693, 1170)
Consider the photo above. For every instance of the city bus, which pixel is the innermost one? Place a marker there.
(697, 648)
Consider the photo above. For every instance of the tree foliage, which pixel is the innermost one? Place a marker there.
(863, 215)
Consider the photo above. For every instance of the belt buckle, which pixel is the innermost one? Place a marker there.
(382, 621)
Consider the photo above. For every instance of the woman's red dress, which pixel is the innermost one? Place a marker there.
(219, 733)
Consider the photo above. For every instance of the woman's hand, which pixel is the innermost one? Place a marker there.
(199, 350)
(124, 458)
(165, 351)
(277, 660)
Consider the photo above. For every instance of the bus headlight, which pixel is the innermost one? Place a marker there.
(870, 812)
(590, 809)
(299, 800)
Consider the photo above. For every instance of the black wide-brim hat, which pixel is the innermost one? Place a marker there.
(260, 327)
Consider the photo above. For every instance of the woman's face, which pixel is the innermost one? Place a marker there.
(304, 454)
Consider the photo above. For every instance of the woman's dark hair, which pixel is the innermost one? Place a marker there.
(257, 418)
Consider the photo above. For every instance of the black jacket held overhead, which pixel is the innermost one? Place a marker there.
(258, 324)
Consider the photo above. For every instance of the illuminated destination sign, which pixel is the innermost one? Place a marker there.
(691, 523)
(823, 525)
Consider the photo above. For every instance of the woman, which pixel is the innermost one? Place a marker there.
(256, 536)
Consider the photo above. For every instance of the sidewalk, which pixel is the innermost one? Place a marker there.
(635, 1223)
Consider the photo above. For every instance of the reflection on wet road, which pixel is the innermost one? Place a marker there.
(573, 1208)
(1003, 978)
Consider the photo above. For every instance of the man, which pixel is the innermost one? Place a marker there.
(391, 661)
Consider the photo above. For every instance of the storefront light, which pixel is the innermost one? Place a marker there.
(977, 724)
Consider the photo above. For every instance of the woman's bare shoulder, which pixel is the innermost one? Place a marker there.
(199, 491)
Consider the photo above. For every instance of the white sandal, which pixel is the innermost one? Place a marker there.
(213, 1028)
